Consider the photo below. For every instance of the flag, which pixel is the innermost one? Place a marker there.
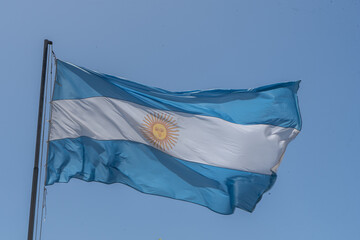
(217, 148)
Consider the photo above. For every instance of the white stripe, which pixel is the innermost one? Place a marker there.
(202, 139)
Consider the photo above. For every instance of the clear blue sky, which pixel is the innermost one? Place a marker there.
(184, 45)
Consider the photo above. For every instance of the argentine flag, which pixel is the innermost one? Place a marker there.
(217, 148)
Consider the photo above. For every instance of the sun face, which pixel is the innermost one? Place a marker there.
(160, 130)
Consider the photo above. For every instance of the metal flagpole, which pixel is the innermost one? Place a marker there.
(38, 141)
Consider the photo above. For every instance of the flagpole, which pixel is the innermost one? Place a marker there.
(38, 142)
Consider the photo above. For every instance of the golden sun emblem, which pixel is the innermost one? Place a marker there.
(160, 130)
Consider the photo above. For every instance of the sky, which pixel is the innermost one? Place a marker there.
(187, 45)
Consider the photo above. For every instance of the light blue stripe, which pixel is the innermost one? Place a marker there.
(274, 104)
(152, 171)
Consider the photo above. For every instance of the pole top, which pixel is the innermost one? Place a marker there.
(48, 41)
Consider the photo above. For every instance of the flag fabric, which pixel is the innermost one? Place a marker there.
(217, 148)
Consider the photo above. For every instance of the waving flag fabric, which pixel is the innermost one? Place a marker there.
(216, 148)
